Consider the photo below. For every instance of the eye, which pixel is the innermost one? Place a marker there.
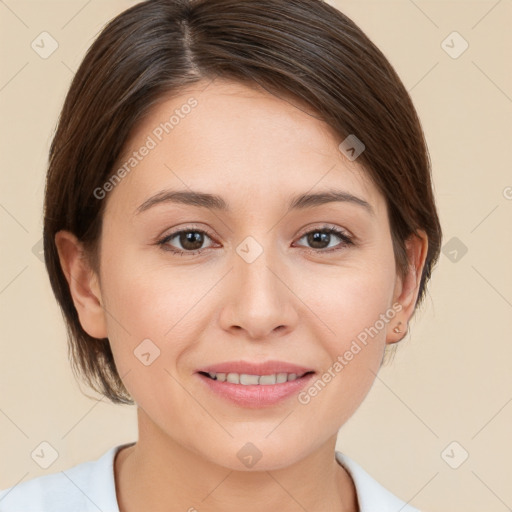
(190, 240)
(321, 239)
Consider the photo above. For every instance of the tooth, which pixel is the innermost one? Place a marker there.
(246, 379)
(281, 377)
(234, 378)
(249, 379)
(268, 379)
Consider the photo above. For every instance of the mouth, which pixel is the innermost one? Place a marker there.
(247, 379)
(255, 385)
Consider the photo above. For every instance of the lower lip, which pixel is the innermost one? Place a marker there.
(256, 396)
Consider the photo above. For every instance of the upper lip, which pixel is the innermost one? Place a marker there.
(255, 368)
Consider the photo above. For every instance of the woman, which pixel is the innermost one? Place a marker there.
(239, 223)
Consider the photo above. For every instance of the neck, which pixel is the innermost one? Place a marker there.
(157, 471)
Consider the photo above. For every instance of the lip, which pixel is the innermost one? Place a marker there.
(256, 396)
(256, 368)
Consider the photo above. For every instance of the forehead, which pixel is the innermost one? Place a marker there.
(233, 137)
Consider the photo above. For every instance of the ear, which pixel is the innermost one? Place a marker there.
(83, 284)
(407, 288)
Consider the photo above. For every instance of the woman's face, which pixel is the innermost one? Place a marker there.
(264, 283)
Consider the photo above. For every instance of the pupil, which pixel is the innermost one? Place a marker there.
(318, 238)
(191, 240)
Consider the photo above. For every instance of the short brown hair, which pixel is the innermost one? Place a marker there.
(305, 49)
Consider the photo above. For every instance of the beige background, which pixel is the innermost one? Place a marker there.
(450, 380)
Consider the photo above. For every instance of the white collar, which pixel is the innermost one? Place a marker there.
(371, 495)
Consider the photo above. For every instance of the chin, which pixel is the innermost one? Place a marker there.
(260, 454)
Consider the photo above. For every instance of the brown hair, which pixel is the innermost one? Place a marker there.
(304, 49)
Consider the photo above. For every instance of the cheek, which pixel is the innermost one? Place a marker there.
(156, 313)
(357, 307)
(351, 298)
(146, 294)
(149, 330)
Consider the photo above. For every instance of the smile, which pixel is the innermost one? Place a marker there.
(245, 379)
(254, 385)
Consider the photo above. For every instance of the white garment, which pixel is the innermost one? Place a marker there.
(90, 487)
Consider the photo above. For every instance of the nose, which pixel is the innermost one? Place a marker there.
(259, 299)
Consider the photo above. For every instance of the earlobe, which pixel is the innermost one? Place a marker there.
(407, 288)
(83, 284)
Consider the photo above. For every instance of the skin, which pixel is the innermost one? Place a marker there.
(291, 303)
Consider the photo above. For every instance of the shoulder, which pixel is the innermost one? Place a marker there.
(371, 495)
(89, 486)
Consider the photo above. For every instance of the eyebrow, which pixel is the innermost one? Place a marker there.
(215, 202)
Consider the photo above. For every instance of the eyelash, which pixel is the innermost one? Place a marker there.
(345, 240)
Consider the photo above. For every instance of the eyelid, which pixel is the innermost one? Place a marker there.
(345, 236)
(186, 228)
(326, 226)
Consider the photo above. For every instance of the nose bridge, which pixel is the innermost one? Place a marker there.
(260, 301)
(257, 283)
